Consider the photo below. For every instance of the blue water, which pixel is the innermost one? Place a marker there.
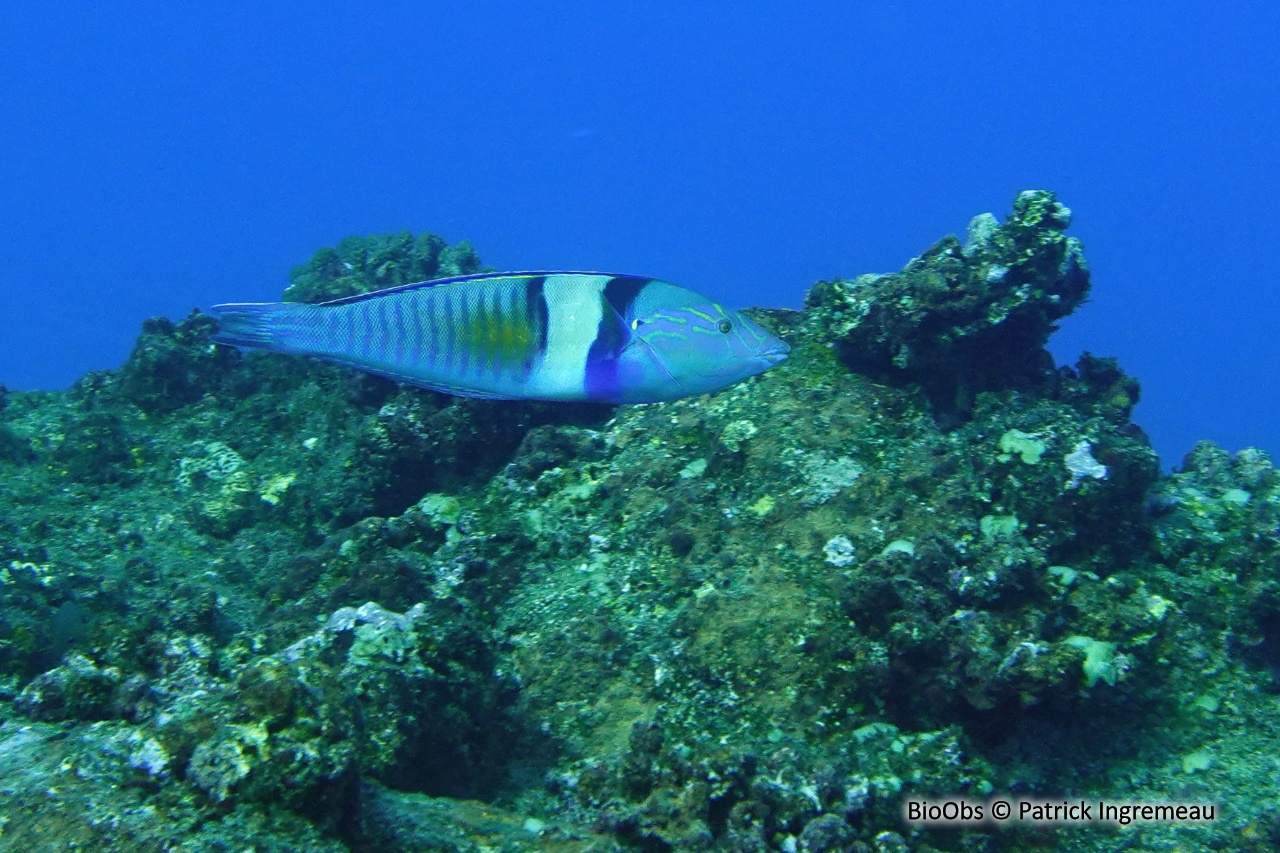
(155, 157)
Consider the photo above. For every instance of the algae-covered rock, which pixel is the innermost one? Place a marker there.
(963, 318)
(279, 603)
(172, 364)
(99, 789)
(76, 689)
(1218, 534)
(395, 822)
(363, 264)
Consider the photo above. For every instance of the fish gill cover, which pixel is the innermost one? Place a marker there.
(257, 602)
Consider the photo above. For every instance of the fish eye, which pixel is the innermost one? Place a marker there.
(725, 326)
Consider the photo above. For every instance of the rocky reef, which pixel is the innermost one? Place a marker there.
(259, 602)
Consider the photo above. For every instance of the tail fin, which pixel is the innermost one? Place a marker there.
(260, 325)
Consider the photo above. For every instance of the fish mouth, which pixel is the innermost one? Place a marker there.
(776, 352)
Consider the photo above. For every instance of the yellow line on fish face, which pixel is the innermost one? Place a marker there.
(658, 335)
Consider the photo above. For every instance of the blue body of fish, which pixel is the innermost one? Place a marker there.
(527, 335)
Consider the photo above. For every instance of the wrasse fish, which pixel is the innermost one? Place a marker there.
(522, 336)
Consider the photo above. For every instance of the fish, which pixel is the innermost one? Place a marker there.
(552, 336)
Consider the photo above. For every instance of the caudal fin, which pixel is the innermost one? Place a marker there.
(261, 325)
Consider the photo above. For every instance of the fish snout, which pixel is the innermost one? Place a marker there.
(776, 351)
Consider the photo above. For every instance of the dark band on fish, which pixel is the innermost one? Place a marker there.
(621, 290)
(535, 306)
(601, 381)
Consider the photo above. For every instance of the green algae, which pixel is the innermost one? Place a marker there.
(250, 588)
(1099, 660)
(1028, 447)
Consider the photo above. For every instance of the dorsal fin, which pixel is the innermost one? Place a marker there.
(463, 279)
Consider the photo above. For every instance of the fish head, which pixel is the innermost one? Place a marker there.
(682, 344)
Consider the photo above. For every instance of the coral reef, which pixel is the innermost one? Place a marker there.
(252, 601)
